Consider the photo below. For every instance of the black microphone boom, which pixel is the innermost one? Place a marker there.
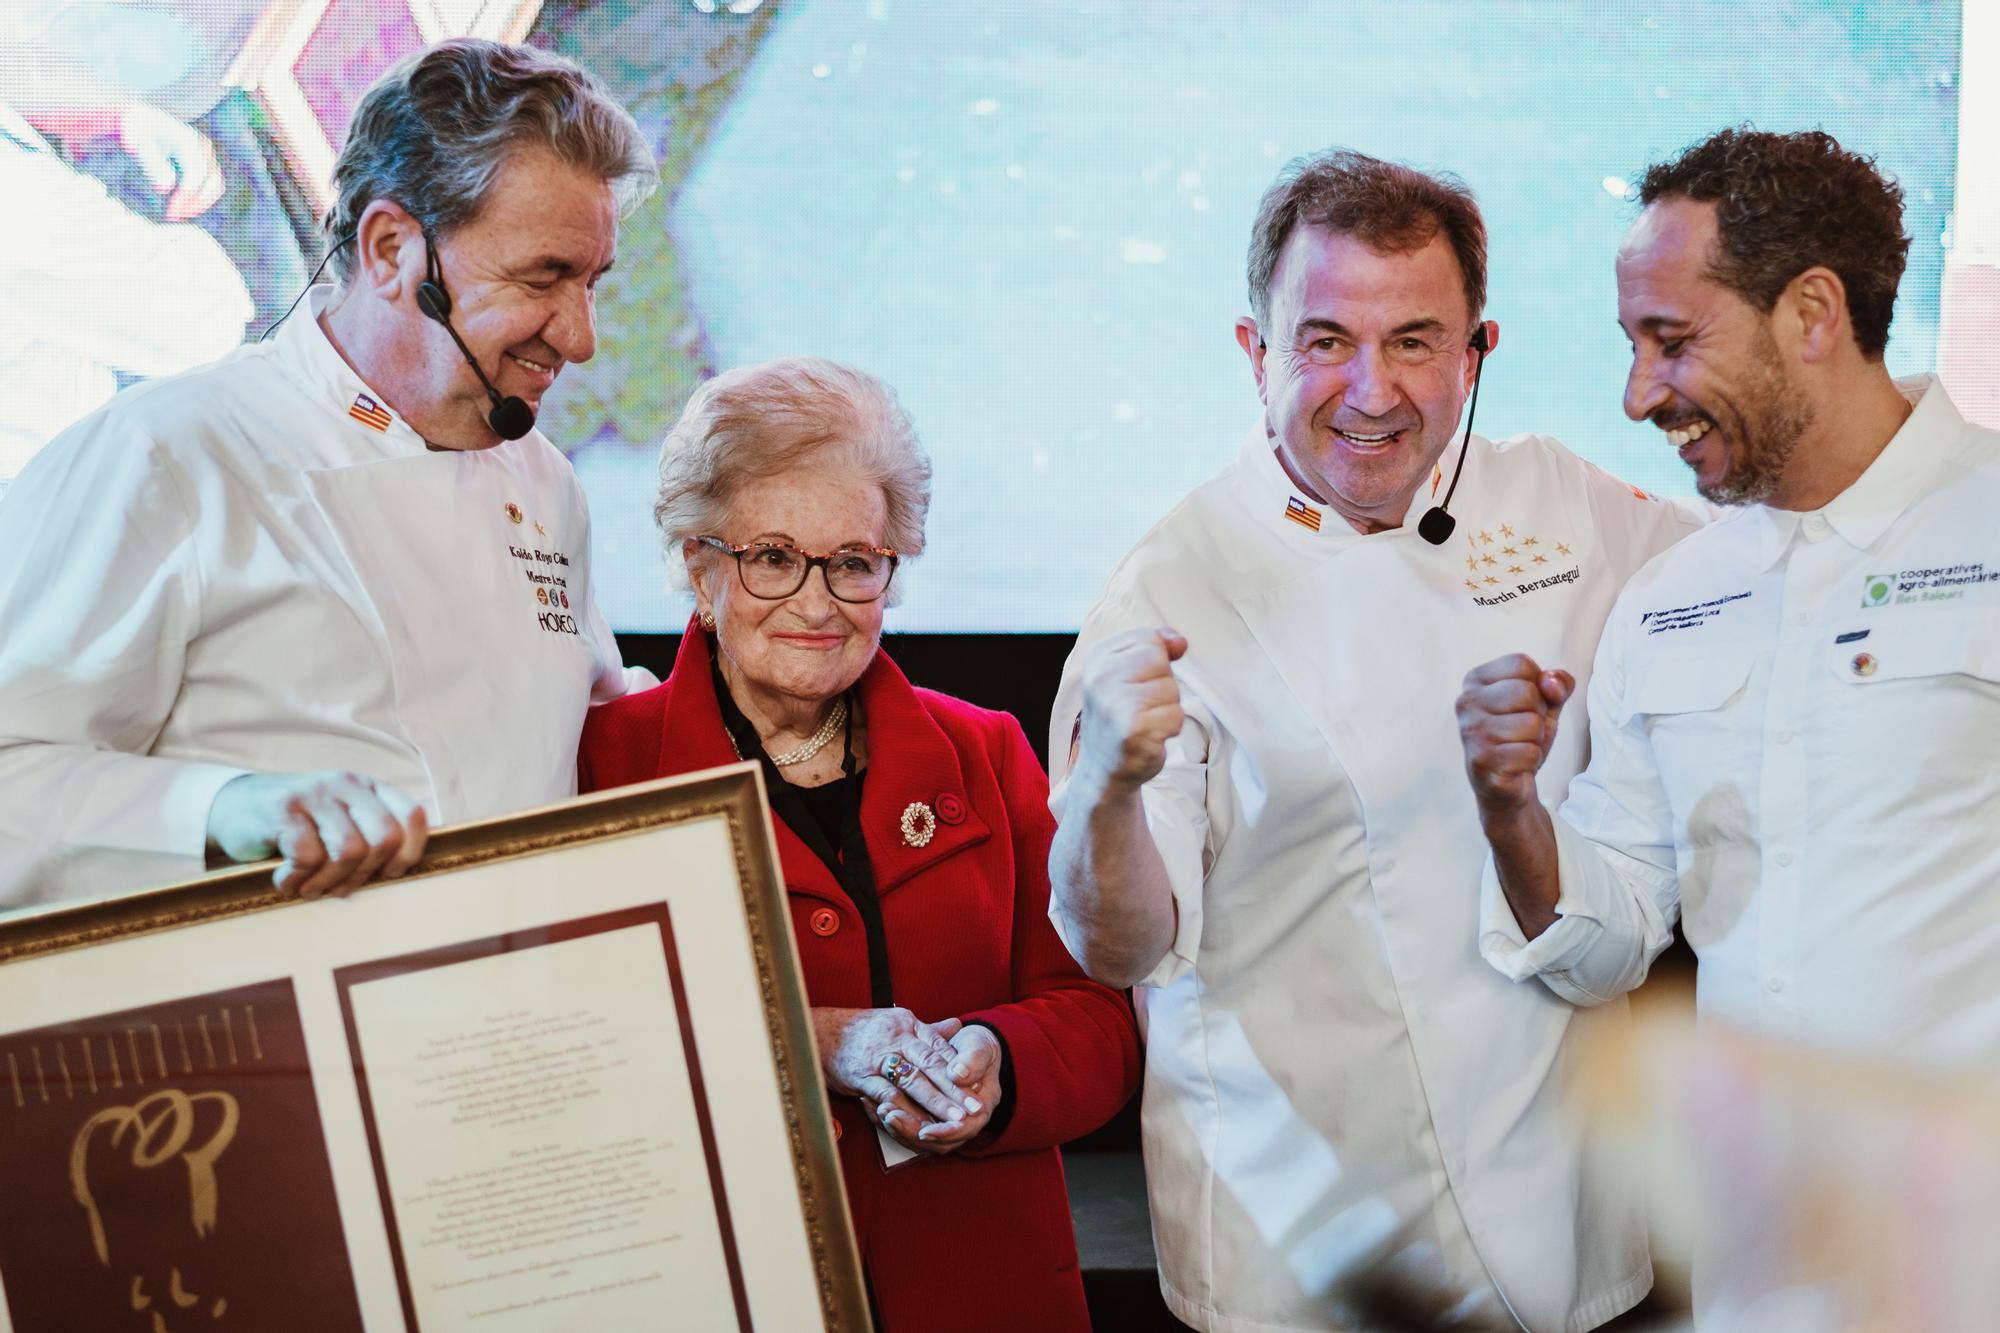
(1436, 526)
(511, 418)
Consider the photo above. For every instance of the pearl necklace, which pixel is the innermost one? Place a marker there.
(818, 741)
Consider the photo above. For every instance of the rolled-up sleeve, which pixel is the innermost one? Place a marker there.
(1176, 801)
(1072, 1044)
(1620, 893)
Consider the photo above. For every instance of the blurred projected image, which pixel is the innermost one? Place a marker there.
(1029, 218)
(164, 164)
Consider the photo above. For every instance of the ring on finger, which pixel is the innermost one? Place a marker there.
(898, 1069)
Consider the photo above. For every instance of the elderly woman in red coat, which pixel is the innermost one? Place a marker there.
(957, 1036)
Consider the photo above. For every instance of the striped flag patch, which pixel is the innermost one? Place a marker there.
(370, 413)
(1301, 513)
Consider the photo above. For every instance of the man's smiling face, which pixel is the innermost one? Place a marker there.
(1364, 368)
(1706, 368)
(523, 279)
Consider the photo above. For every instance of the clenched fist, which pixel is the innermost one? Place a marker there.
(1131, 706)
(1507, 719)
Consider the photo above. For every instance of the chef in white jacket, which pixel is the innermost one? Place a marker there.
(1262, 821)
(307, 600)
(1794, 715)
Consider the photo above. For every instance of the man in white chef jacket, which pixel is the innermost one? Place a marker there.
(306, 601)
(1793, 716)
(1262, 827)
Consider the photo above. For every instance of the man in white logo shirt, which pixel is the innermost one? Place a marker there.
(307, 600)
(1793, 715)
(1258, 823)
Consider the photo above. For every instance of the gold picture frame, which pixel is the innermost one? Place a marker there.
(503, 1004)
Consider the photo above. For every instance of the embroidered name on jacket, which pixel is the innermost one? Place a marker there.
(548, 575)
(1692, 616)
(1502, 564)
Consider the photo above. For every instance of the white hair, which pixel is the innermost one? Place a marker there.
(763, 421)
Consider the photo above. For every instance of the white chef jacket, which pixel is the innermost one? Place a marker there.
(1794, 724)
(258, 566)
(1327, 1058)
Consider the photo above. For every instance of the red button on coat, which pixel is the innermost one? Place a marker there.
(950, 809)
(825, 921)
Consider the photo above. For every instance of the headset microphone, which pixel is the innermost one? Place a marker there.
(1436, 525)
(511, 418)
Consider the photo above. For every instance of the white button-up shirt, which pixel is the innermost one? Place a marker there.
(1332, 1074)
(1794, 726)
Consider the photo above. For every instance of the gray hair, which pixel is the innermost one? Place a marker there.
(1387, 206)
(434, 132)
(763, 421)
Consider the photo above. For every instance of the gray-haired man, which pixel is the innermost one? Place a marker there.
(307, 600)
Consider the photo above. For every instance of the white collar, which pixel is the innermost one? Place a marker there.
(1303, 524)
(1900, 475)
(303, 349)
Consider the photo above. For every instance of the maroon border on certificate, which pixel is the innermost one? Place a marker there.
(516, 942)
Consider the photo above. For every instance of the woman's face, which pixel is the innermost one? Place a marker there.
(810, 646)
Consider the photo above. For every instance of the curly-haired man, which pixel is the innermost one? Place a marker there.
(1791, 712)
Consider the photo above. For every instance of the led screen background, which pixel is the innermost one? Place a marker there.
(1028, 217)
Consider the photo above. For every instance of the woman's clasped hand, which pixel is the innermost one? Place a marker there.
(934, 1086)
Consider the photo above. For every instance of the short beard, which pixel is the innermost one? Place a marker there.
(1772, 417)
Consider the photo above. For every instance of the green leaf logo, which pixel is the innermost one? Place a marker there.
(1875, 590)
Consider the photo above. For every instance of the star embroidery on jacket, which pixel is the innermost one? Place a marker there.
(1561, 549)
(1472, 584)
(1472, 562)
(541, 531)
(1530, 541)
(1488, 560)
(1485, 539)
(1491, 580)
(1506, 531)
(1508, 550)
(1513, 569)
(1541, 560)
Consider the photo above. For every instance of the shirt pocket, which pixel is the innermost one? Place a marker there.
(1925, 686)
(1687, 697)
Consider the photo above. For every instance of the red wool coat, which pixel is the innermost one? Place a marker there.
(980, 1239)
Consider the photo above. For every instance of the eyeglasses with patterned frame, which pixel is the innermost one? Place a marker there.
(774, 571)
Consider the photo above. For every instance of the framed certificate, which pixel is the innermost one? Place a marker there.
(561, 1077)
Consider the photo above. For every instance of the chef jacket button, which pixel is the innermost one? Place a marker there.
(824, 921)
(950, 809)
